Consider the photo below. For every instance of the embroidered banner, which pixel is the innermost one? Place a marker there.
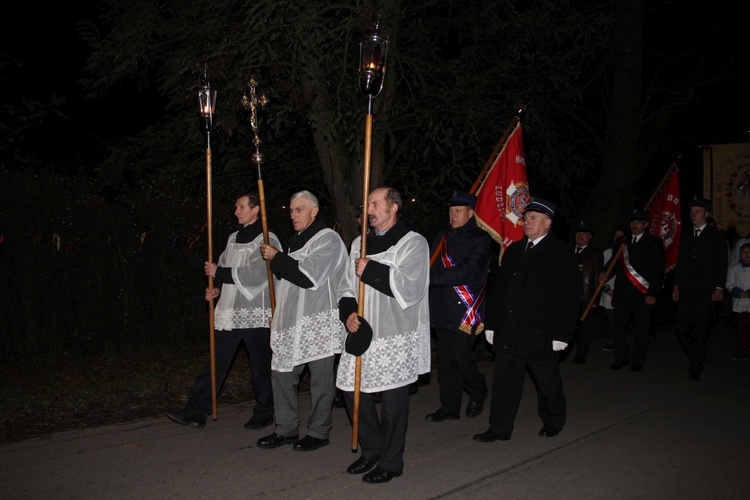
(726, 181)
(665, 218)
(504, 193)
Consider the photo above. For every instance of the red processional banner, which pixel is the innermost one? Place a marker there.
(504, 193)
(665, 218)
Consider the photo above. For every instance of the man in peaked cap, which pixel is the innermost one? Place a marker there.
(639, 277)
(458, 277)
(540, 206)
(698, 283)
(638, 215)
(590, 263)
(462, 199)
(531, 316)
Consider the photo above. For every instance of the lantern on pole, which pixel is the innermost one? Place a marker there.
(206, 109)
(373, 51)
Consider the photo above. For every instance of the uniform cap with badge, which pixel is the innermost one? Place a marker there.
(462, 199)
(541, 206)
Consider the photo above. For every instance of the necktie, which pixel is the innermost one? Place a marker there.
(529, 245)
(635, 240)
(578, 249)
(697, 232)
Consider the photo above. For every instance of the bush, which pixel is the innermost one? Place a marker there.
(90, 272)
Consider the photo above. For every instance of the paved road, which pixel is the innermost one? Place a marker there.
(652, 434)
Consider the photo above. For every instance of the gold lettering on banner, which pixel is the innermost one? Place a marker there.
(500, 200)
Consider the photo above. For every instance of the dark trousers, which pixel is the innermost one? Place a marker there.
(583, 335)
(507, 387)
(743, 333)
(457, 370)
(635, 307)
(693, 325)
(258, 346)
(383, 437)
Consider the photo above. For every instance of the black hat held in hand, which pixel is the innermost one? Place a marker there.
(358, 342)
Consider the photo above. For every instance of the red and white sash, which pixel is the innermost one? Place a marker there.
(636, 279)
(471, 322)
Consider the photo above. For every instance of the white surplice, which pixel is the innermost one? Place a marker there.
(400, 349)
(306, 325)
(245, 303)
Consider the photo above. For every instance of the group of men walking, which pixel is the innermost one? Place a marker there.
(377, 311)
(316, 282)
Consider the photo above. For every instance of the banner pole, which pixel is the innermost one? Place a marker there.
(488, 164)
(620, 249)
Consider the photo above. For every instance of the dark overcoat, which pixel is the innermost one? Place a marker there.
(535, 298)
(469, 248)
(647, 258)
(590, 262)
(701, 263)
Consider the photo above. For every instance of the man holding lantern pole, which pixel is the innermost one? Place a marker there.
(396, 314)
(241, 316)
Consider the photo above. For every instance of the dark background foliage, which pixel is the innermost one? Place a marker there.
(102, 154)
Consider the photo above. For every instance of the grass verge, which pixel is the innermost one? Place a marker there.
(43, 396)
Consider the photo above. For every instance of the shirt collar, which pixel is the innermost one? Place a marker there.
(536, 241)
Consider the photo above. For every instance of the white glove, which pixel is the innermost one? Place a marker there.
(558, 346)
(489, 335)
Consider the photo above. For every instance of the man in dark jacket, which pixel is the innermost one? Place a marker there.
(458, 276)
(698, 283)
(590, 263)
(531, 316)
(639, 278)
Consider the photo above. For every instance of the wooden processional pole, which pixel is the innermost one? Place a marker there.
(207, 106)
(490, 161)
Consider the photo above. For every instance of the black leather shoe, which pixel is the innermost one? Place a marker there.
(275, 440)
(438, 416)
(309, 443)
(549, 431)
(474, 408)
(361, 465)
(618, 364)
(635, 368)
(378, 475)
(489, 437)
(188, 417)
(258, 422)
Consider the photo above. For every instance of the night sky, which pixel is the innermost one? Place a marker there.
(44, 42)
